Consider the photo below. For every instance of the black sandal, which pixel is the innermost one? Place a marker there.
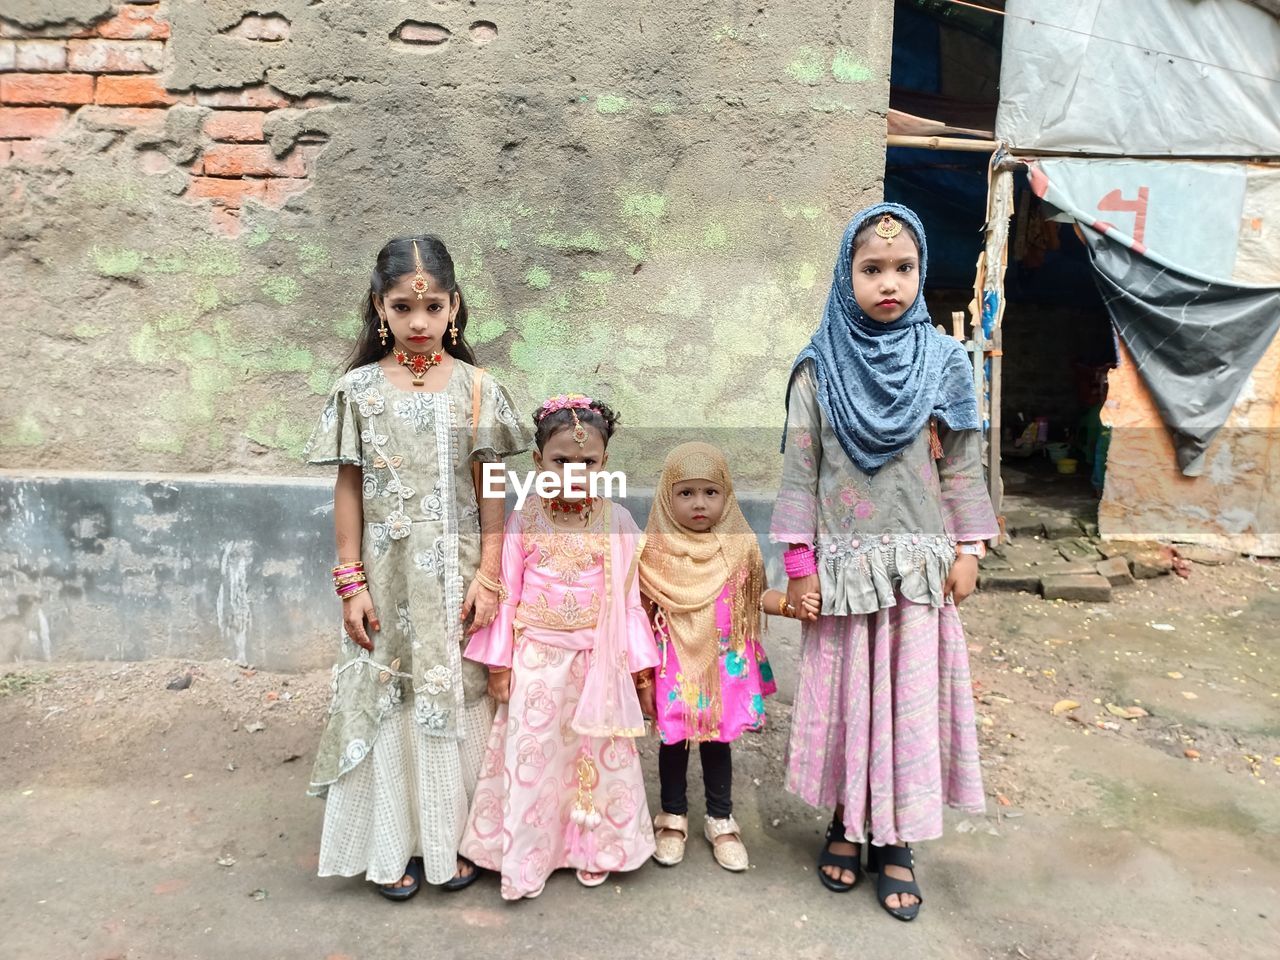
(461, 883)
(880, 857)
(844, 861)
(412, 869)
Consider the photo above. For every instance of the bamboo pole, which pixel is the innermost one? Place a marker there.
(941, 143)
(991, 280)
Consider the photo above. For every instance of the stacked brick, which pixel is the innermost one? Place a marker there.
(107, 74)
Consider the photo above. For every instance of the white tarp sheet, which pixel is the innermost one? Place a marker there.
(1141, 78)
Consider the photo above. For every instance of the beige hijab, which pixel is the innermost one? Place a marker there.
(683, 572)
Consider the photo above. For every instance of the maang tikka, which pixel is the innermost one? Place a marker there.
(579, 431)
(888, 228)
(420, 284)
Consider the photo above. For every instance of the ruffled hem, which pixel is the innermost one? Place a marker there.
(860, 575)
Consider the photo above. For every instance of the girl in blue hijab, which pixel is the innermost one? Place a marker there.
(884, 510)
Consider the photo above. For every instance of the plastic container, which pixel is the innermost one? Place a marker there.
(1057, 451)
(1067, 465)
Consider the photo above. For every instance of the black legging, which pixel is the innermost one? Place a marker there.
(717, 777)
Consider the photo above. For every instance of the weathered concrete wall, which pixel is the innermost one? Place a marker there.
(643, 200)
(125, 566)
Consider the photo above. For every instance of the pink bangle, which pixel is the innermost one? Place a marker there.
(800, 562)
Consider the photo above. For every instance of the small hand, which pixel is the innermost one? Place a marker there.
(810, 607)
(800, 587)
(485, 603)
(963, 578)
(648, 701)
(500, 684)
(355, 611)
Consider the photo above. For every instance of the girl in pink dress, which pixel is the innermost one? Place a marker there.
(703, 575)
(571, 658)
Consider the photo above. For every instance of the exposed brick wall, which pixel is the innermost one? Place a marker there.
(110, 74)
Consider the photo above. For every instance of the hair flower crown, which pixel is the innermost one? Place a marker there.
(566, 401)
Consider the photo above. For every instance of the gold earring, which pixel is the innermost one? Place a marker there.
(382, 329)
(453, 328)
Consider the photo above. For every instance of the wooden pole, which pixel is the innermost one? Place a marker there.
(995, 261)
(941, 143)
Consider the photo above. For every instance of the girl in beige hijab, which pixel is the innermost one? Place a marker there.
(703, 575)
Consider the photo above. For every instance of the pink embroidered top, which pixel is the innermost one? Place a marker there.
(576, 590)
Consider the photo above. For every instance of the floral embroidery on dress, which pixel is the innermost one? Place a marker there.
(355, 752)
(431, 562)
(437, 680)
(433, 718)
(398, 525)
(379, 540)
(370, 402)
(433, 505)
(417, 410)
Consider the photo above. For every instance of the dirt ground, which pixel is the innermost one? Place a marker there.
(142, 822)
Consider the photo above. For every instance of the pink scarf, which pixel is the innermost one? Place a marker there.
(609, 706)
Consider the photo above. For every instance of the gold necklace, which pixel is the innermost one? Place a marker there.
(417, 363)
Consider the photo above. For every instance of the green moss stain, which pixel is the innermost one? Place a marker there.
(585, 241)
(847, 68)
(805, 211)
(485, 330)
(636, 252)
(166, 262)
(145, 345)
(284, 359)
(682, 299)
(207, 297)
(646, 209)
(715, 236)
(284, 290)
(808, 67)
(257, 236)
(115, 261)
(538, 277)
(610, 103)
(662, 109)
(597, 277)
(214, 258)
(270, 426)
(312, 258)
(321, 381)
(25, 432)
(804, 277)
(348, 326)
(172, 323)
(159, 441)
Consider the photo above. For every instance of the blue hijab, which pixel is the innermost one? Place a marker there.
(879, 383)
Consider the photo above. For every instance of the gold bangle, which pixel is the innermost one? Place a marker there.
(349, 578)
(343, 564)
(485, 580)
(355, 593)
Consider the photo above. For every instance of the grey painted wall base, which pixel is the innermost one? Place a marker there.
(133, 566)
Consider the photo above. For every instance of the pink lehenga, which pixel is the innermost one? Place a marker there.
(561, 785)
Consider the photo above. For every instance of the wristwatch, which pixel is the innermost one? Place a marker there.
(977, 549)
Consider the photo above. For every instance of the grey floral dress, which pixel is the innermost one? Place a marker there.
(420, 546)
